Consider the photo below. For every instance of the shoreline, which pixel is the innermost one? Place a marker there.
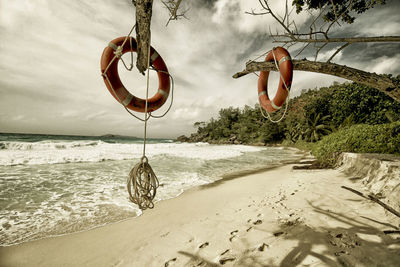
(223, 178)
(258, 218)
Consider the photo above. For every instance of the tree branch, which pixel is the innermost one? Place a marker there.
(349, 40)
(290, 35)
(173, 7)
(337, 51)
(379, 82)
(373, 198)
(143, 34)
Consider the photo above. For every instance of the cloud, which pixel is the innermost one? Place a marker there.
(50, 62)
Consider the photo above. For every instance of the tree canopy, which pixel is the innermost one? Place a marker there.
(337, 8)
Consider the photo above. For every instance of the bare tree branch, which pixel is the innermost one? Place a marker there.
(337, 51)
(318, 50)
(173, 7)
(379, 82)
(291, 34)
(373, 198)
(372, 39)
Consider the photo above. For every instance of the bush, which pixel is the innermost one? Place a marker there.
(360, 138)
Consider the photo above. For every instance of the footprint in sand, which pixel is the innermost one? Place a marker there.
(257, 222)
(171, 261)
(262, 247)
(233, 235)
(278, 233)
(204, 245)
(223, 253)
(226, 259)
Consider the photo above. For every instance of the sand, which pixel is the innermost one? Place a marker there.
(280, 217)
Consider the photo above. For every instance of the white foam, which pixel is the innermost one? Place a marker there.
(57, 199)
(24, 153)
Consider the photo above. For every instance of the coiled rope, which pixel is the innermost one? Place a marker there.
(142, 182)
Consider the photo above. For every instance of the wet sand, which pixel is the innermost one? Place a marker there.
(280, 217)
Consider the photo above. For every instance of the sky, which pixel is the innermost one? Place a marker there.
(50, 80)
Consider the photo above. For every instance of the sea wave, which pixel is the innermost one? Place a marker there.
(55, 152)
(42, 200)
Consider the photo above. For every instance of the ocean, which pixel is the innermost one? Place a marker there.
(52, 185)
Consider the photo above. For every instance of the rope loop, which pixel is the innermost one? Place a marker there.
(144, 159)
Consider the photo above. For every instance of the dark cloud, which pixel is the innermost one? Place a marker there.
(256, 42)
(208, 4)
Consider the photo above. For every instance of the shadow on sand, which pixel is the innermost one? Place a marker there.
(355, 243)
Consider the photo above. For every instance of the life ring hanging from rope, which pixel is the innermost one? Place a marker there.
(283, 62)
(109, 69)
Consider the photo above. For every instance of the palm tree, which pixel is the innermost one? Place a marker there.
(317, 127)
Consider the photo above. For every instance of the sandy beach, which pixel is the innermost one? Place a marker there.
(279, 217)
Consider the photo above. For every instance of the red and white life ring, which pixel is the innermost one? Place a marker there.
(109, 69)
(285, 64)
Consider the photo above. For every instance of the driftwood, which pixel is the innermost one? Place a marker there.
(379, 82)
(388, 232)
(374, 199)
(143, 34)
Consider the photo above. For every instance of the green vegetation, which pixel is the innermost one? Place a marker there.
(341, 118)
(360, 138)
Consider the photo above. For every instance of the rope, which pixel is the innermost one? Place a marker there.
(287, 98)
(142, 183)
(172, 95)
(142, 178)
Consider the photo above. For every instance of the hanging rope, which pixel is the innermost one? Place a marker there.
(287, 98)
(142, 178)
(142, 183)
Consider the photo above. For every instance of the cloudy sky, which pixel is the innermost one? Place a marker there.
(50, 62)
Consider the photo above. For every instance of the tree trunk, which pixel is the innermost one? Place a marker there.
(374, 80)
(143, 19)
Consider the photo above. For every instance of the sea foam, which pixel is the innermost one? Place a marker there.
(53, 152)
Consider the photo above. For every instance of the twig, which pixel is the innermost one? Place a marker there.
(388, 232)
(373, 198)
(337, 51)
(173, 7)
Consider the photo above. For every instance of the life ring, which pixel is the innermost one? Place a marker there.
(109, 69)
(285, 64)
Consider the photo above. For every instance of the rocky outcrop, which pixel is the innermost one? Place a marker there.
(182, 138)
(378, 173)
